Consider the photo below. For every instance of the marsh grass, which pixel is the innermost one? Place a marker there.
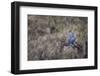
(48, 34)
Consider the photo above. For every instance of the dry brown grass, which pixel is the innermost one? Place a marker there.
(47, 34)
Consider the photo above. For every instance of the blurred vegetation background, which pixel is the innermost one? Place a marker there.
(47, 34)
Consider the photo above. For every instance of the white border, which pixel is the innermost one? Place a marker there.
(26, 65)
